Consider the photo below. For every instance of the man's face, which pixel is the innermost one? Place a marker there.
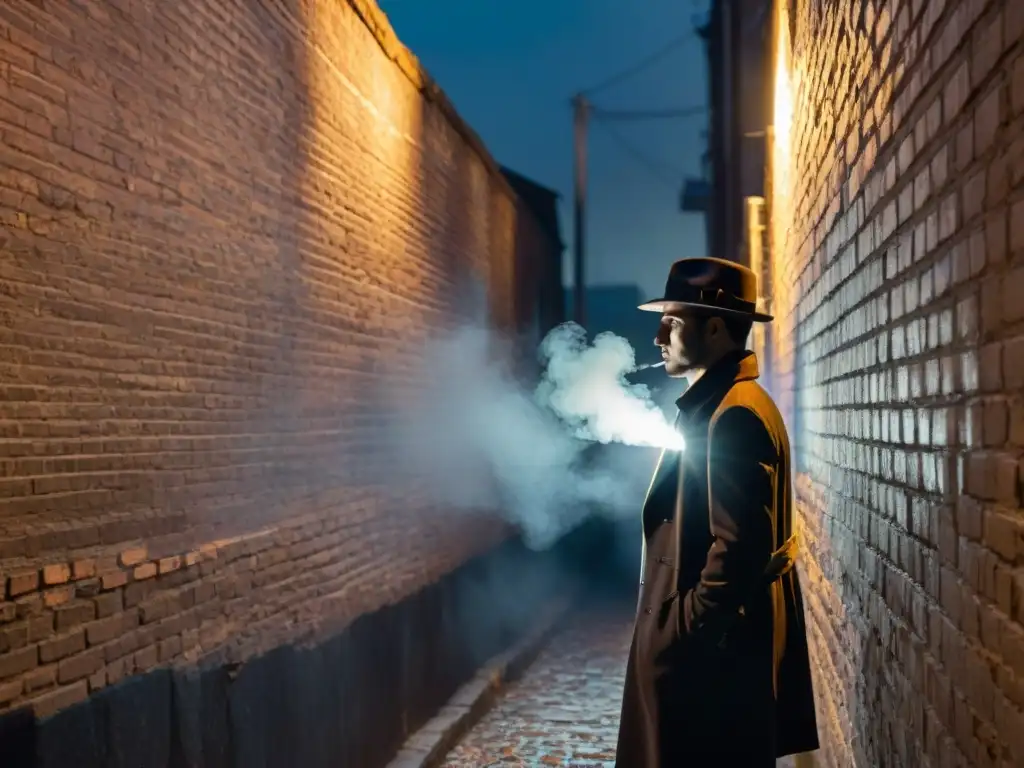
(681, 337)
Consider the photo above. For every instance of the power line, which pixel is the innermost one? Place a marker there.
(640, 66)
(663, 172)
(648, 114)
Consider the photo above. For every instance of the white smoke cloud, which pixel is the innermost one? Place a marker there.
(471, 436)
(587, 387)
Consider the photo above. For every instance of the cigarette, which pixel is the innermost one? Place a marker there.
(649, 365)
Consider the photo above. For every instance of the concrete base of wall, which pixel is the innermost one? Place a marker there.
(350, 701)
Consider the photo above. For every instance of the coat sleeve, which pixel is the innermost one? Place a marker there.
(741, 479)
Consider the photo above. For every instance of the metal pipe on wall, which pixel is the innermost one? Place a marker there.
(728, 228)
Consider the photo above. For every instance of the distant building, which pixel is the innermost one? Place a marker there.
(540, 302)
(737, 39)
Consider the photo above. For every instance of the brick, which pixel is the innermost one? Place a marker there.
(61, 698)
(14, 663)
(106, 564)
(1017, 424)
(104, 630)
(1012, 310)
(995, 424)
(22, 582)
(1013, 363)
(170, 564)
(84, 569)
(1007, 480)
(40, 627)
(132, 557)
(996, 237)
(73, 614)
(145, 571)
(990, 361)
(137, 591)
(108, 604)
(157, 608)
(61, 647)
(114, 579)
(169, 648)
(59, 573)
(10, 690)
(14, 636)
(58, 596)
(40, 678)
(1001, 532)
(120, 668)
(1017, 86)
(988, 118)
(80, 665)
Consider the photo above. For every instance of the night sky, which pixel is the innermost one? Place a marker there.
(510, 68)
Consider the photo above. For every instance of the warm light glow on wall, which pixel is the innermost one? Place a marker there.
(782, 131)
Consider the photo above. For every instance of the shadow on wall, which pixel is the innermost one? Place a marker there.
(350, 700)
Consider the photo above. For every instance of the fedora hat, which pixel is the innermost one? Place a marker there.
(716, 285)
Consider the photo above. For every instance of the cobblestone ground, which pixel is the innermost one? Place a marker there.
(565, 710)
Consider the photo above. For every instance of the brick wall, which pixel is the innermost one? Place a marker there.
(226, 224)
(899, 274)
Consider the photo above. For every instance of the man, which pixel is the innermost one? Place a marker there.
(718, 672)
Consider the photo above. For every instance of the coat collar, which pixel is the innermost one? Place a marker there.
(734, 367)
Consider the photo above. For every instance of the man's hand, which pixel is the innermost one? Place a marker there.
(743, 460)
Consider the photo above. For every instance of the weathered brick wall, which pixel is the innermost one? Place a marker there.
(226, 224)
(899, 284)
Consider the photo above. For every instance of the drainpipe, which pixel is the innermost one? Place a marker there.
(728, 198)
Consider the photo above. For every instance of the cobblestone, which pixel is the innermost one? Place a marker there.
(565, 709)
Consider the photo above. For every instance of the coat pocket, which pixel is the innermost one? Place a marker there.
(669, 616)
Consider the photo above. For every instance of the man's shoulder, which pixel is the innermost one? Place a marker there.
(747, 408)
(750, 394)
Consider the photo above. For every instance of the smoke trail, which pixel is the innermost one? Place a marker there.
(586, 386)
(472, 436)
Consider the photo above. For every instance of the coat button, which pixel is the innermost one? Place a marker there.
(648, 610)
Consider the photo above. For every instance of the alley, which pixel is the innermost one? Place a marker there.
(284, 430)
(565, 710)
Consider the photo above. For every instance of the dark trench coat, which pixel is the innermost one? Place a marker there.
(718, 671)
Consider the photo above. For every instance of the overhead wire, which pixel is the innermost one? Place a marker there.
(647, 114)
(640, 66)
(661, 171)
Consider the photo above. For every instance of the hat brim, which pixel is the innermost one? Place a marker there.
(664, 305)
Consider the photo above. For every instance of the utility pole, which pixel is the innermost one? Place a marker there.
(581, 115)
